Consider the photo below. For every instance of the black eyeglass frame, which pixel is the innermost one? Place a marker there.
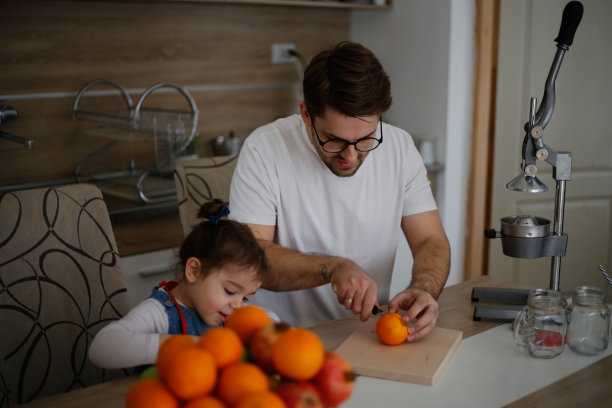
(347, 143)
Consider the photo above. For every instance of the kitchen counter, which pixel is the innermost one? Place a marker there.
(587, 385)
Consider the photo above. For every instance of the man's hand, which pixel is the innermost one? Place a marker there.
(421, 311)
(355, 290)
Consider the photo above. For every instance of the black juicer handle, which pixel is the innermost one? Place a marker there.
(572, 14)
(492, 234)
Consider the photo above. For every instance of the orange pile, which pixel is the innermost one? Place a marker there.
(217, 371)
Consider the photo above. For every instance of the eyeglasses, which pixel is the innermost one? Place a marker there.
(337, 145)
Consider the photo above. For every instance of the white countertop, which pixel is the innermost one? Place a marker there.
(487, 371)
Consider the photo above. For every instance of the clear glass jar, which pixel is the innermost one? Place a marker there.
(541, 326)
(589, 321)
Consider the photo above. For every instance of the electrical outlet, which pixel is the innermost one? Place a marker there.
(280, 53)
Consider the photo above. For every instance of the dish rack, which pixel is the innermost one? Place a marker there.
(172, 133)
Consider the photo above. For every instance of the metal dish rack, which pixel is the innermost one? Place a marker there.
(170, 131)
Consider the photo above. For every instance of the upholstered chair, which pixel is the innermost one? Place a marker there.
(60, 282)
(200, 180)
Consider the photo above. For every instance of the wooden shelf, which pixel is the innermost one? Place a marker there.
(292, 3)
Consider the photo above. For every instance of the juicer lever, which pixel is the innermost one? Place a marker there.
(572, 14)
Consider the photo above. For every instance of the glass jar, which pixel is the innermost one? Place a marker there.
(541, 326)
(589, 321)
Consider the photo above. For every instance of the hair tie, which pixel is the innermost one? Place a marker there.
(223, 211)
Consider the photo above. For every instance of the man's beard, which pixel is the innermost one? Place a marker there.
(330, 160)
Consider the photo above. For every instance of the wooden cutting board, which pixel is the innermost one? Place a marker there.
(420, 362)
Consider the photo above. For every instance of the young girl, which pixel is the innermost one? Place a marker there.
(223, 265)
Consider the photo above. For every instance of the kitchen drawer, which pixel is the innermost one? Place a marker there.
(142, 272)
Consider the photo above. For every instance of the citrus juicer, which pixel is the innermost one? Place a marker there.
(526, 236)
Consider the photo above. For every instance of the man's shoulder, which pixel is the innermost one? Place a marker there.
(279, 128)
(397, 143)
(396, 134)
(272, 141)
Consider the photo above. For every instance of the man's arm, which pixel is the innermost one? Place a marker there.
(292, 270)
(430, 250)
(431, 254)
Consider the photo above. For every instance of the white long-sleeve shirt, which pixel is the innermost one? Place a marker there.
(133, 340)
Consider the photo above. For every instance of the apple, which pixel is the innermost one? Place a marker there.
(261, 344)
(302, 394)
(335, 379)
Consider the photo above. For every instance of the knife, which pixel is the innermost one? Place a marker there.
(376, 310)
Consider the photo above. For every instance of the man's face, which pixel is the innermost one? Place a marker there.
(335, 125)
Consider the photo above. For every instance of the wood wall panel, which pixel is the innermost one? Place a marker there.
(51, 47)
(59, 46)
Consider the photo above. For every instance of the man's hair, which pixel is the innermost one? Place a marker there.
(348, 78)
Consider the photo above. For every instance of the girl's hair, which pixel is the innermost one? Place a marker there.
(217, 242)
(348, 78)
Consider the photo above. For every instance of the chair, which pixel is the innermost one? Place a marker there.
(60, 282)
(200, 180)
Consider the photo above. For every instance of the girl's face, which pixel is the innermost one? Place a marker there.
(216, 295)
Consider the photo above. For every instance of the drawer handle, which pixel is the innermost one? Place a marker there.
(155, 270)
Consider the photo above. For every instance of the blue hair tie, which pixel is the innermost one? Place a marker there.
(223, 211)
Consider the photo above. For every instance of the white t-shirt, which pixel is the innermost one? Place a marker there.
(281, 180)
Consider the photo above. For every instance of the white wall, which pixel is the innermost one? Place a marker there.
(428, 49)
(454, 185)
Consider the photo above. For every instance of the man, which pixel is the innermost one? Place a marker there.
(326, 190)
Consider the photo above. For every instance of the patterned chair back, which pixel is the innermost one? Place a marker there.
(60, 282)
(200, 180)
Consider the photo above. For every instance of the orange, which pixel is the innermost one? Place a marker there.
(298, 354)
(263, 399)
(223, 344)
(246, 321)
(206, 401)
(150, 393)
(240, 379)
(191, 373)
(168, 349)
(391, 329)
